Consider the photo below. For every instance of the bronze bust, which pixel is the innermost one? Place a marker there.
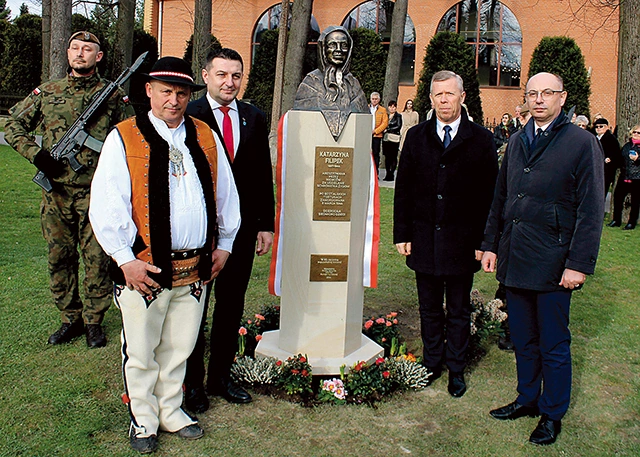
(331, 89)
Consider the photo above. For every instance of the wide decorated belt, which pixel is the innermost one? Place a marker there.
(184, 265)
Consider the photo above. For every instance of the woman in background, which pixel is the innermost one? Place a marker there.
(409, 119)
(628, 182)
(391, 141)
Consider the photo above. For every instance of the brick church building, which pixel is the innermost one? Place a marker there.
(503, 35)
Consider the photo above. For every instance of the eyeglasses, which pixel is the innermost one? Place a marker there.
(636, 132)
(546, 94)
(601, 126)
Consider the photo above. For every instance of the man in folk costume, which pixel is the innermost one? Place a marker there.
(165, 208)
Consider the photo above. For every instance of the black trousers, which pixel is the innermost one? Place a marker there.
(229, 290)
(622, 189)
(433, 321)
(390, 151)
(375, 148)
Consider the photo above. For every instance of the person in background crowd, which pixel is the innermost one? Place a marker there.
(611, 148)
(543, 236)
(409, 119)
(164, 206)
(391, 141)
(51, 110)
(503, 131)
(380, 121)
(628, 182)
(582, 122)
(517, 118)
(525, 115)
(443, 192)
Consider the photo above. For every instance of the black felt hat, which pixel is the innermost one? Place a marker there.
(174, 70)
(599, 121)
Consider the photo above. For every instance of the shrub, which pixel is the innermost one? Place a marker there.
(449, 51)
(369, 60)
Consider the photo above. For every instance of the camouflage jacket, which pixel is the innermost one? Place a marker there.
(52, 108)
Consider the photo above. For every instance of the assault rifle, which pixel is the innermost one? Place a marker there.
(76, 137)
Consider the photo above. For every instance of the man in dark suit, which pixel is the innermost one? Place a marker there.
(443, 193)
(244, 133)
(543, 235)
(611, 148)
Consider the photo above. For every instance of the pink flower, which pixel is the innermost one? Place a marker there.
(380, 320)
(259, 317)
(393, 314)
(242, 331)
(368, 324)
(395, 321)
(386, 374)
(248, 321)
(389, 324)
(383, 339)
(258, 337)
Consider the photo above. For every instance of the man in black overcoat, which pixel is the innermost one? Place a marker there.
(245, 137)
(611, 148)
(443, 192)
(543, 233)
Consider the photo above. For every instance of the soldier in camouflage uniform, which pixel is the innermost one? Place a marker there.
(50, 110)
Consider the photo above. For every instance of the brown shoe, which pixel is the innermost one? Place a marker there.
(67, 332)
(95, 336)
(191, 432)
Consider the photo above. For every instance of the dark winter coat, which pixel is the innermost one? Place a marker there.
(611, 149)
(630, 168)
(548, 207)
(442, 197)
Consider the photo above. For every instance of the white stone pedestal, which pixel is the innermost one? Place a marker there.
(326, 194)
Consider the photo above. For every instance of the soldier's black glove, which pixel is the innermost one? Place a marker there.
(48, 165)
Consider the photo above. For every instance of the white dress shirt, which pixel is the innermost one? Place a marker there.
(235, 120)
(110, 206)
(454, 128)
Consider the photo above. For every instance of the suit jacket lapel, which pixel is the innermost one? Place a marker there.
(244, 128)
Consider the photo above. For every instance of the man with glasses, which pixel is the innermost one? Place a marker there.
(611, 148)
(543, 235)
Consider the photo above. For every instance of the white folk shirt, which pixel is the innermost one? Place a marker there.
(235, 120)
(110, 207)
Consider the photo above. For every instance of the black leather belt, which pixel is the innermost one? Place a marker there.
(183, 255)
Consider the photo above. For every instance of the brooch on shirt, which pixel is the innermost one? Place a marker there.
(175, 158)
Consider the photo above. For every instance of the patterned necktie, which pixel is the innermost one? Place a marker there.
(536, 138)
(227, 131)
(447, 136)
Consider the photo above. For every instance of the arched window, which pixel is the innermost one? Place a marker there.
(495, 34)
(375, 15)
(271, 20)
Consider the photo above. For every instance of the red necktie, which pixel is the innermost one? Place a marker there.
(227, 131)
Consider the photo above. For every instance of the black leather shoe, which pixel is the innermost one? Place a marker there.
(231, 392)
(145, 445)
(546, 431)
(514, 411)
(435, 374)
(457, 386)
(191, 432)
(195, 399)
(629, 226)
(505, 344)
(613, 224)
(67, 332)
(95, 336)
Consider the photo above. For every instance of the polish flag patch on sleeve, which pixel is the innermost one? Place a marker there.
(125, 99)
(37, 91)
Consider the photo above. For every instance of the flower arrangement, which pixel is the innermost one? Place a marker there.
(369, 382)
(383, 330)
(264, 371)
(486, 318)
(251, 329)
(295, 377)
(333, 391)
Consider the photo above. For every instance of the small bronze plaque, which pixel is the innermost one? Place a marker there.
(332, 184)
(328, 268)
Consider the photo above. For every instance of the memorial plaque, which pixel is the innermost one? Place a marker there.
(332, 184)
(328, 268)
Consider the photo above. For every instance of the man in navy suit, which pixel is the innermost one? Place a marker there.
(245, 136)
(542, 236)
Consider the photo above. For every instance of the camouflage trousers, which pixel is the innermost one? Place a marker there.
(64, 215)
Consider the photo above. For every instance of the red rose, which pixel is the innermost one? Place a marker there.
(295, 371)
(379, 360)
(303, 359)
(258, 337)
(279, 363)
(386, 374)
(304, 373)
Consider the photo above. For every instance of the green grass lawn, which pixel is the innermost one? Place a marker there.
(65, 400)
